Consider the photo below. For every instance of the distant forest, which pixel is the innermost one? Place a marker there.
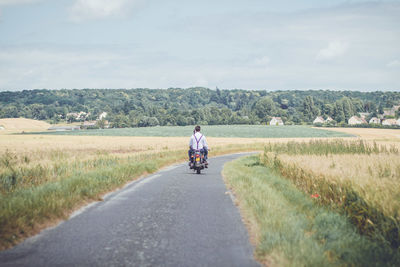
(174, 106)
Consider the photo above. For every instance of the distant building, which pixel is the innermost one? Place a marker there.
(391, 111)
(64, 128)
(276, 121)
(89, 124)
(328, 119)
(319, 119)
(103, 115)
(398, 121)
(81, 116)
(355, 120)
(389, 122)
(374, 120)
(2, 128)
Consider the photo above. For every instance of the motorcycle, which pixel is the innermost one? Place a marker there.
(198, 163)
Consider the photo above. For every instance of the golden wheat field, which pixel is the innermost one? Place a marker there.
(22, 124)
(381, 136)
(41, 148)
(376, 177)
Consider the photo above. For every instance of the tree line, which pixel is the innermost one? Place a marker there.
(176, 106)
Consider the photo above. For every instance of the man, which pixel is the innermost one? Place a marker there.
(198, 142)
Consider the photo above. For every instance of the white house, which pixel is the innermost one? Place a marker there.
(87, 124)
(103, 115)
(389, 122)
(319, 119)
(374, 120)
(356, 120)
(398, 121)
(328, 119)
(276, 121)
(78, 116)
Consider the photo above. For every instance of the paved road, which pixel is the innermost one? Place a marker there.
(172, 218)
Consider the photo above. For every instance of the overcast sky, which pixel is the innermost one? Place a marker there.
(248, 44)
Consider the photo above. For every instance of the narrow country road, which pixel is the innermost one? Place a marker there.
(172, 218)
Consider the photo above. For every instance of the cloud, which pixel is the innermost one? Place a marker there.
(394, 64)
(52, 67)
(333, 50)
(209, 47)
(83, 10)
(17, 2)
(262, 61)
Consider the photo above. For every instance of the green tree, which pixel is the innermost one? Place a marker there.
(10, 112)
(101, 123)
(264, 107)
(120, 121)
(338, 113)
(310, 111)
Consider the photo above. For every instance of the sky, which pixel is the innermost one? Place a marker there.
(246, 44)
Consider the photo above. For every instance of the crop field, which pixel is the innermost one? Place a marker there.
(44, 177)
(358, 180)
(22, 124)
(244, 131)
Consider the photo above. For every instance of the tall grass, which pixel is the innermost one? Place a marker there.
(347, 195)
(33, 195)
(291, 229)
(327, 147)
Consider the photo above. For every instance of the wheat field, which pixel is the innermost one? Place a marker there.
(376, 177)
(78, 165)
(381, 136)
(22, 124)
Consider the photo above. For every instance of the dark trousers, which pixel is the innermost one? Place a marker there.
(204, 151)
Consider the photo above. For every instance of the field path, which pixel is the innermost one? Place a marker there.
(172, 218)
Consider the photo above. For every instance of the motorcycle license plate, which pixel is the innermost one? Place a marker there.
(197, 159)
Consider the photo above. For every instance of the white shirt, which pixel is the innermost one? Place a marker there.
(199, 143)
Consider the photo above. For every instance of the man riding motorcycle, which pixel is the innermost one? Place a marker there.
(198, 142)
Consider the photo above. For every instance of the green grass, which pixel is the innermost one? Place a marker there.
(245, 131)
(291, 228)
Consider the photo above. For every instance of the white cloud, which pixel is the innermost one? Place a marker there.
(83, 10)
(394, 64)
(333, 50)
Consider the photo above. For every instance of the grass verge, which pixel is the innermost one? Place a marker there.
(36, 196)
(289, 228)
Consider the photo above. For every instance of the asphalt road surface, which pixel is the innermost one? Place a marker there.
(172, 218)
